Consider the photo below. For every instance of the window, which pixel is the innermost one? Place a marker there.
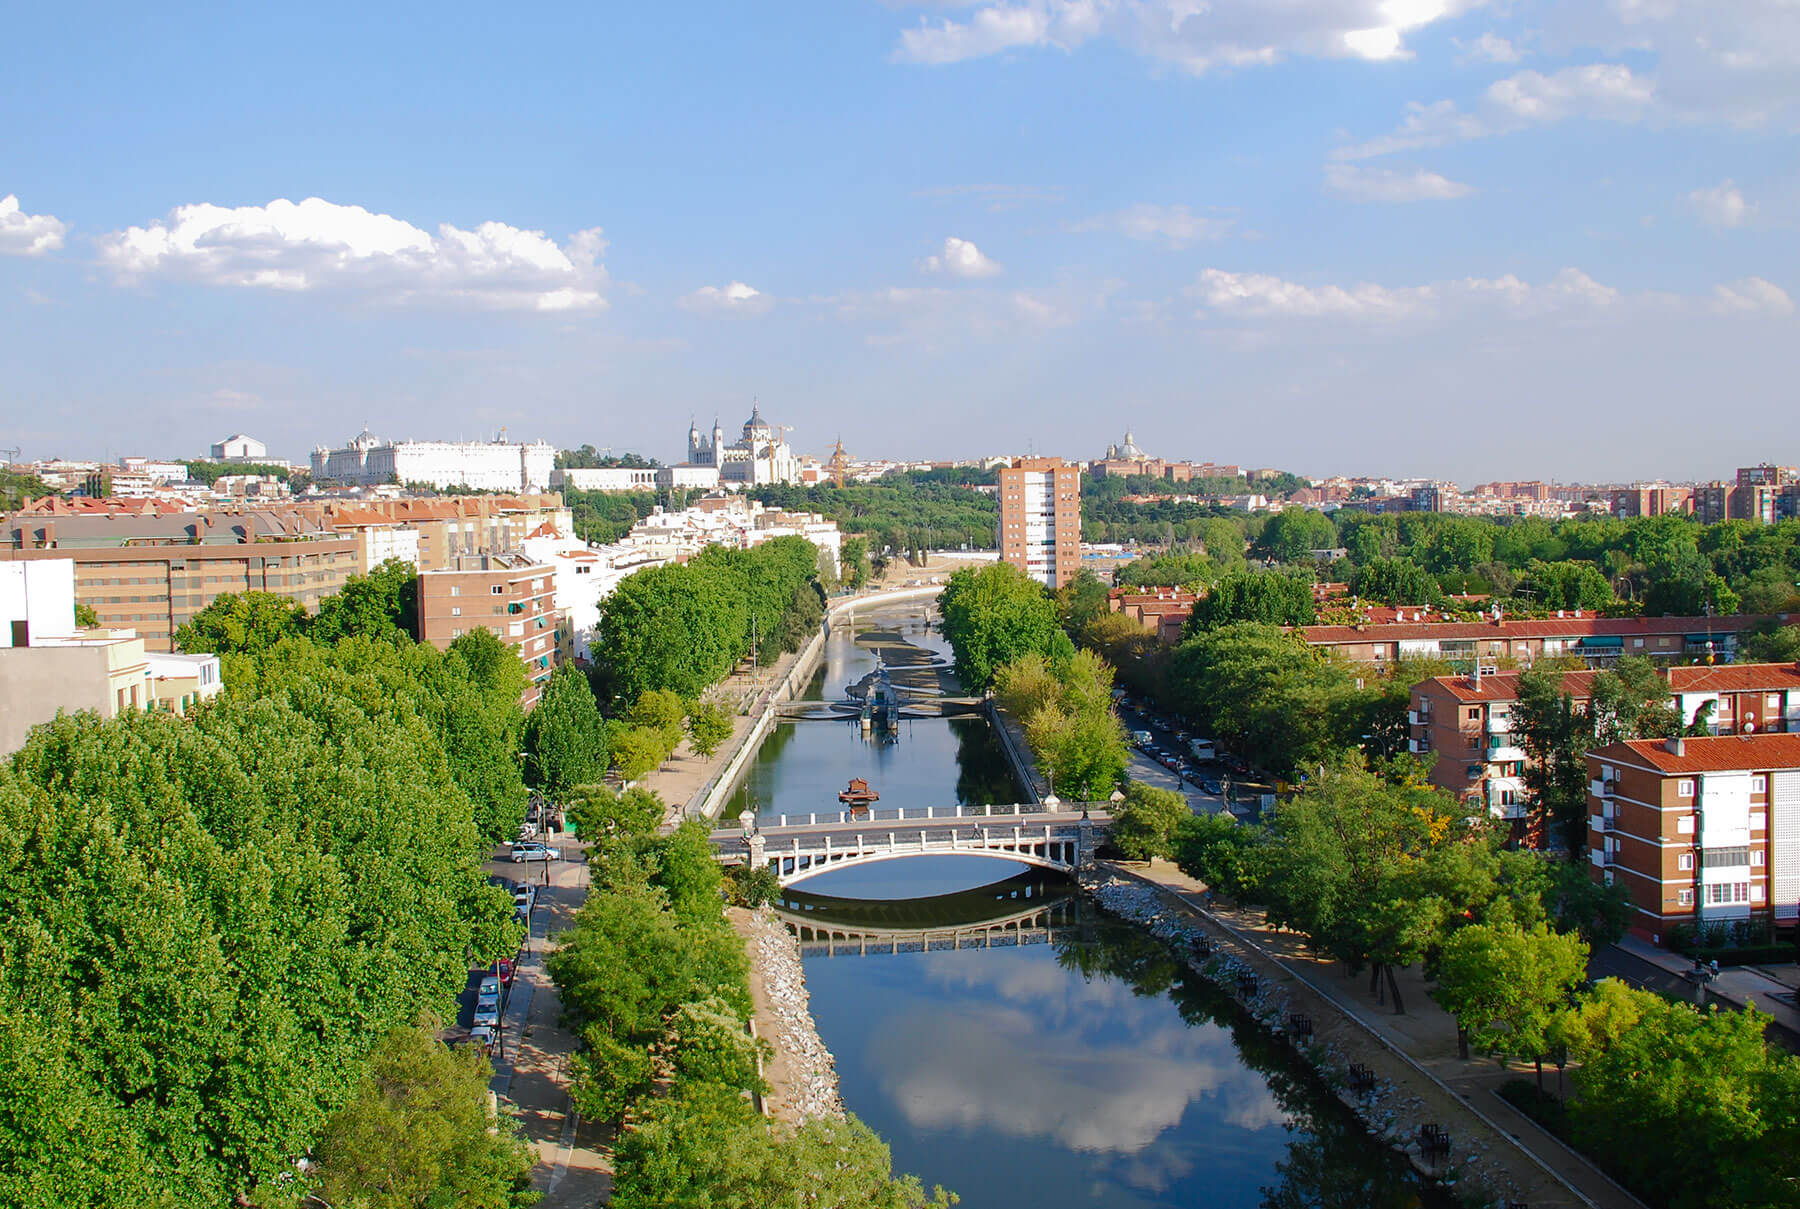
(1759, 784)
(456, 589)
(1756, 858)
(1722, 894)
(1475, 714)
(1684, 898)
(456, 612)
(1684, 825)
(498, 590)
(1685, 862)
(1714, 858)
(1756, 894)
(1684, 789)
(1637, 643)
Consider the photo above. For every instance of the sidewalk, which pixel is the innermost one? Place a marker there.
(1415, 1052)
(574, 1167)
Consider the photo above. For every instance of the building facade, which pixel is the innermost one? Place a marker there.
(151, 572)
(760, 454)
(510, 596)
(239, 448)
(1040, 519)
(366, 460)
(606, 478)
(1698, 831)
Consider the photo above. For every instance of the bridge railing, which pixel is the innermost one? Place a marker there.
(901, 814)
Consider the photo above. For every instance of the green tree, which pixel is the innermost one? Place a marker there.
(1772, 643)
(86, 618)
(1265, 597)
(1145, 823)
(709, 726)
(1396, 581)
(381, 604)
(419, 1132)
(991, 616)
(853, 561)
(638, 751)
(245, 623)
(1293, 534)
(1506, 985)
(601, 816)
(565, 737)
(661, 711)
(711, 1045)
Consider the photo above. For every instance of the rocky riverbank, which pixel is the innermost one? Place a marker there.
(802, 1074)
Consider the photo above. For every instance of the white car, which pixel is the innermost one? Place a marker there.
(534, 851)
(487, 1013)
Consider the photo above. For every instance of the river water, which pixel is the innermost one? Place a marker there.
(1082, 1066)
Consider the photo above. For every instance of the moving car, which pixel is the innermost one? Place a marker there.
(532, 850)
(1211, 786)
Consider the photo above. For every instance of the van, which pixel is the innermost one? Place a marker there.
(1204, 749)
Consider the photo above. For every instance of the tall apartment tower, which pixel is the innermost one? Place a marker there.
(1040, 519)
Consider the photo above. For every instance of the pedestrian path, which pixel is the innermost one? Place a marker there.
(1435, 1082)
(1769, 990)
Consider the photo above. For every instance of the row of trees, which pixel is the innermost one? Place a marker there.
(655, 979)
(224, 930)
(1065, 704)
(383, 604)
(903, 513)
(682, 627)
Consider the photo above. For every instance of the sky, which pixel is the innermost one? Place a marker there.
(1446, 238)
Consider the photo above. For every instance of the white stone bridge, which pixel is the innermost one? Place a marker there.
(1037, 923)
(1059, 836)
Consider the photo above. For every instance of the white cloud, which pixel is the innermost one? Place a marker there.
(960, 258)
(1364, 184)
(1257, 295)
(320, 245)
(1175, 225)
(1752, 295)
(1603, 91)
(1488, 48)
(1723, 205)
(1194, 35)
(23, 234)
(733, 299)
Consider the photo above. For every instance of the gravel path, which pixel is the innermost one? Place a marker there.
(802, 1075)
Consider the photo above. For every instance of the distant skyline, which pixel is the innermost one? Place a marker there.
(1419, 238)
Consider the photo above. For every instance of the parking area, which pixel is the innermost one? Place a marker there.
(1162, 754)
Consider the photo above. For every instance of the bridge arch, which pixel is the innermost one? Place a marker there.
(810, 865)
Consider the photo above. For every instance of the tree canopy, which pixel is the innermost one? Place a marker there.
(991, 616)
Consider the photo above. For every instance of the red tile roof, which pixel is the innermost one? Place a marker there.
(1736, 678)
(1721, 753)
(1547, 627)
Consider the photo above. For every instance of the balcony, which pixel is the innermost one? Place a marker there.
(1603, 823)
(1418, 747)
(1602, 859)
(1499, 725)
(1602, 789)
(1509, 811)
(1505, 754)
(1417, 718)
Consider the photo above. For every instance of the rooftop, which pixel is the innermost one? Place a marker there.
(1723, 753)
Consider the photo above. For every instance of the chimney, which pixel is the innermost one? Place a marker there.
(1676, 746)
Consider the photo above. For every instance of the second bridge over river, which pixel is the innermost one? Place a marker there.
(1062, 837)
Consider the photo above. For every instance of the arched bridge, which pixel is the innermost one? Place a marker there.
(798, 847)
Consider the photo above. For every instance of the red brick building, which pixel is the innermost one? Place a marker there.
(505, 594)
(1698, 830)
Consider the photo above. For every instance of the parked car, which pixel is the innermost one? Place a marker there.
(503, 969)
(482, 1036)
(1211, 786)
(525, 898)
(488, 986)
(487, 1013)
(532, 850)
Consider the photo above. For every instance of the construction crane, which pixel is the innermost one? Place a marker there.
(12, 455)
(839, 460)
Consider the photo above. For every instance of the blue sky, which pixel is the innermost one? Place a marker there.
(1410, 237)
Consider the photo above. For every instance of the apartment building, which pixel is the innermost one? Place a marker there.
(450, 526)
(1698, 830)
(509, 595)
(1040, 519)
(1162, 612)
(151, 571)
(1467, 720)
(1651, 501)
(1715, 502)
(1595, 640)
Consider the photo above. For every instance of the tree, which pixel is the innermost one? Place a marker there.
(1564, 585)
(1267, 597)
(381, 604)
(661, 711)
(1396, 581)
(1293, 534)
(1144, 824)
(246, 623)
(710, 1045)
(993, 615)
(853, 559)
(709, 725)
(565, 737)
(86, 618)
(1771, 642)
(637, 751)
(419, 1132)
(1081, 601)
(601, 816)
(1505, 986)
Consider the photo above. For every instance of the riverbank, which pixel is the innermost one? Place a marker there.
(800, 1072)
(1419, 1080)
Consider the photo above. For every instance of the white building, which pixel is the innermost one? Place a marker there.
(759, 456)
(159, 472)
(606, 478)
(37, 600)
(485, 465)
(583, 576)
(239, 448)
(688, 478)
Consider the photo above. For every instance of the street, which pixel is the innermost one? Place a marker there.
(1145, 766)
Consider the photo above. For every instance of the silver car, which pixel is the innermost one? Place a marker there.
(534, 851)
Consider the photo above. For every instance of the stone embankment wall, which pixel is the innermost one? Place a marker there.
(809, 1085)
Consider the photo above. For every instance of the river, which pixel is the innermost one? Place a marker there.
(1082, 1067)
